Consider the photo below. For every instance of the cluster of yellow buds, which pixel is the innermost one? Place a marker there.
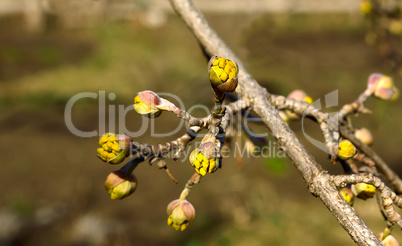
(181, 213)
(113, 147)
(346, 150)
(364, 191)
(348, 195)
(382, 87)
(223, 74)
(120, 185)
(203, 159)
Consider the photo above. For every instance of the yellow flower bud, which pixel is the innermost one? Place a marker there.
(119, 185)
(223, 73)
(146, 103)
(366, 7)
(346, 150)
(298, 95)
(364, 191)
(385, 88)
(203, 159)
(113, 148)
(348, 195)
(388, 241)
(181, 213)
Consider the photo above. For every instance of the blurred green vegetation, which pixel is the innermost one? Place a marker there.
(263, 203)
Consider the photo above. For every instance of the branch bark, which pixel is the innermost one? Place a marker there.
(318, 180)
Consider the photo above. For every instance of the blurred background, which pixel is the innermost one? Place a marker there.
(52, 181)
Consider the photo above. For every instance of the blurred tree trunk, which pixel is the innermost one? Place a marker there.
(34, 15)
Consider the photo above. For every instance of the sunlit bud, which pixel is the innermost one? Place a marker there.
(388, 241)
(395, 27)
(148, 103)
(346, 150)
(284, 116)
(180, 213)
(119, 185)
(395, 96)
(113, 147)
(364, 191)
(385, 88)
(348, 195)
(203, 159)
(373, 80)
(298, 95)
(364, 135)
(366, 7)
(145, 103)
(223, 73)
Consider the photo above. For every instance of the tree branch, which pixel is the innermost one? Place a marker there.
(318, 180)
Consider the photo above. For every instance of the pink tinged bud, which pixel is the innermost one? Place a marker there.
(181, 213)
(208, 150)
(388, 241)
(384, 89)
(373, 80)
(149, 98)
(298, 95)
(119, 185)
(364, 135)
(168, 106)
(364, 191)
(146, 103)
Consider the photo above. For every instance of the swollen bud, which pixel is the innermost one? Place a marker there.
(298, 95)
(203, 159)
(346, 150)
(388, 241)
(364, 135)
(145, 103)
(364, 191)
(119, 185)
(181, 213)
(113, 147)
(348, 195)
(385, 88)
(223, 74)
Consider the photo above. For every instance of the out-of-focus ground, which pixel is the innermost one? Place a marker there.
(52, 182)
